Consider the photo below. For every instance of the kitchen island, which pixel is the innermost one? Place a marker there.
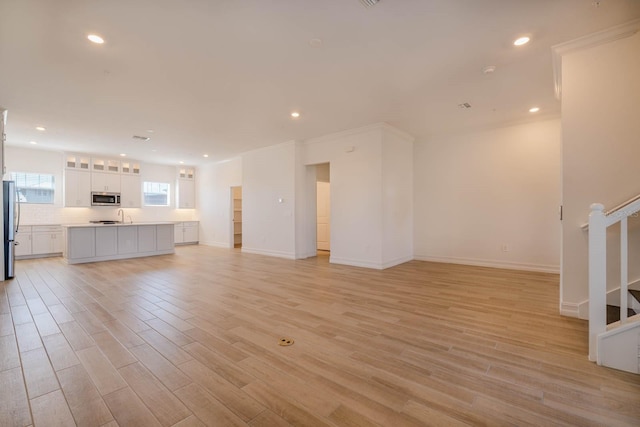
(105, 242)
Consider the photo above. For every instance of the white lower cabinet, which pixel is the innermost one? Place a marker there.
(106, 241)
(186, 232)
(81, 243)
(39, 240)
(110, 242)
(23, 241)
(146, 238)
(127, 240)
(164, 237)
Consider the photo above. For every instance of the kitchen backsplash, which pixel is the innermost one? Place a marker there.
(32, 214)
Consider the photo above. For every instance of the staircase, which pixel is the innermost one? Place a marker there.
(614, 330)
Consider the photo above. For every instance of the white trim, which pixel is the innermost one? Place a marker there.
(613, 298)
(397, 261)
(216, 244)
(605, 36)
(570, 309)
(355, 263)
(543, 268)
(306, 255)
(277, 254)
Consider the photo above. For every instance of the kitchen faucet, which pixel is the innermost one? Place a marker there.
(120, 211)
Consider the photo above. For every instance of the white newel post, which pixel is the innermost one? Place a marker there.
(597, 276)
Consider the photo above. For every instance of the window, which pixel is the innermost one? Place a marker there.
(156, 194)
(34, 187)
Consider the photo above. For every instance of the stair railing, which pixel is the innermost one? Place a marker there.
(599, 221)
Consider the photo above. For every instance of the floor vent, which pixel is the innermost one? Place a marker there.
(369, 3)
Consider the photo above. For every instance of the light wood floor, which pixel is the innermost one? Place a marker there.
(192, 339)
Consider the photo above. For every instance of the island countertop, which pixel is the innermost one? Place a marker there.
(118, 224)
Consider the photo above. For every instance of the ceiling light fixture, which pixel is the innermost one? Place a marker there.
(521, 41)
(205, 155)
(123, 155)
(295, 114)
(95, 39)
(181, 162)
(41, 128)
(33, 142)
(534, 109)
(150, 130)
(141, 138)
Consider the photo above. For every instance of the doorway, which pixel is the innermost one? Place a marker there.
(236, 217)
(323, 209)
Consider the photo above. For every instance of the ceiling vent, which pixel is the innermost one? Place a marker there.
(464, 105)
(141, 138)
(369, 3)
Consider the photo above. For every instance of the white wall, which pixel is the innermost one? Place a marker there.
(356, 199)
(214, 196)
(51, 162)
(397, 197)
(268, 226)
(478, 191)
(601, 149)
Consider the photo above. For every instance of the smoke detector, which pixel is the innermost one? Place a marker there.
(141, 138)
(369, 3)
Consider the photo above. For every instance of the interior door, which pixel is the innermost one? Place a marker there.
(324, 220)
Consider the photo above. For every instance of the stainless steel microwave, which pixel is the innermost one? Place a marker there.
(105, 199)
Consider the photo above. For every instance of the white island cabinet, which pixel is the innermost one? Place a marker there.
(104, 242)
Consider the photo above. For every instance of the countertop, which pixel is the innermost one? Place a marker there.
(126, 224)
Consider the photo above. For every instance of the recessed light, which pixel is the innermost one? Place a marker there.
(534, 109)
(150, 130)
(315, 42)
(521, 41)
(295, 114)
(33, 142)
(95, 38)
(205, 155)
(153, 151)
(181, 162)
(123, 155)
(41, 128)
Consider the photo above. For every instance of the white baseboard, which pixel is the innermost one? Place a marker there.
(355, 263)
(369, 264)
(217, 244)
(491, 263)
(396, 261)
(278, 254)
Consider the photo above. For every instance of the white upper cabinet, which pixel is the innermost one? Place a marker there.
(77, 161)
(186, 173)
(105, 182)
(105, 165)
(130, 167)
(186, 188)
(77, 188)
(131, 191)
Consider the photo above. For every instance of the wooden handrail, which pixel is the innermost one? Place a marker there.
(622, 205)
(614, 210)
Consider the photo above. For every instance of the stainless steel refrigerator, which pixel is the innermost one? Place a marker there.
(11, 215)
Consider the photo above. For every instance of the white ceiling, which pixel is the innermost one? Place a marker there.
(222, 76)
